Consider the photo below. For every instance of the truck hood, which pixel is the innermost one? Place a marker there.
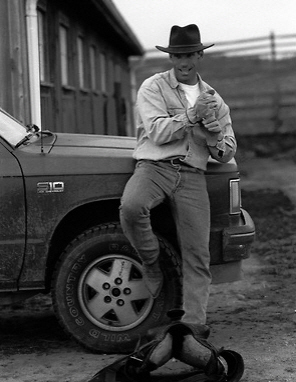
(74, 154)
(64, 153)
(125, 143)
(94, 141)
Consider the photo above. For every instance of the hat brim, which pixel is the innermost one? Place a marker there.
(183, 49)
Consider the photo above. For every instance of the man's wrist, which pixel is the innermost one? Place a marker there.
(219, 141)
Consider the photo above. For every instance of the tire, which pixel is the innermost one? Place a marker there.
(99, 295)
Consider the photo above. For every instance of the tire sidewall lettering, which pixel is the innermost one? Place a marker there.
(90, 246)
(70, 290)
(109, 337)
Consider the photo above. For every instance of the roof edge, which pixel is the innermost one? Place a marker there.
(115, 18)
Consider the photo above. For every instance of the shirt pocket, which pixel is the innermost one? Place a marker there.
(173, 111)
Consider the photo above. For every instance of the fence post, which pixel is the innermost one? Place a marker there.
(272, 47)
(277, 122)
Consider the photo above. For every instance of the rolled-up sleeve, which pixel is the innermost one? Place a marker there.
(222, 149)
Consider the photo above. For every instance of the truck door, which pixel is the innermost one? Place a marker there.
(12, 220)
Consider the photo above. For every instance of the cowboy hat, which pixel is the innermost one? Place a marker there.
(184, 40)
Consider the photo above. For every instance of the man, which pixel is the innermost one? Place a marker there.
(181, 121)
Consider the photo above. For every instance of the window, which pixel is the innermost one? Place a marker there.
(117, 73)
(111, 76)
(103, 74)
(63, 33)
(93, 66)
(80, 46)
(42, 44)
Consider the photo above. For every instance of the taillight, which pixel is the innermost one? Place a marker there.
(235, 196)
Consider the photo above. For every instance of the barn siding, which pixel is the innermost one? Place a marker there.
(14, 94)
(82, 105)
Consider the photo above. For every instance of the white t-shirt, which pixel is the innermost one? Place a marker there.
(191, 92)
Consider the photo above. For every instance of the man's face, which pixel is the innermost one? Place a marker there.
(185, 67)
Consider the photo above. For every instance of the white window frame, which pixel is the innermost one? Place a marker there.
(43, 73)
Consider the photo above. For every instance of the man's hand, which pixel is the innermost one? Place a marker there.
(204, 107)
(206, 104)
(212, 125)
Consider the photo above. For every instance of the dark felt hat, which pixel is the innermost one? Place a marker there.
(184, 40)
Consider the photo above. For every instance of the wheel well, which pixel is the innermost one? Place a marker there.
(92, 214)
(76, 222)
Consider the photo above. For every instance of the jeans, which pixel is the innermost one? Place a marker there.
(185, 189)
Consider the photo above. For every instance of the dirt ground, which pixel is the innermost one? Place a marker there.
(255, 316)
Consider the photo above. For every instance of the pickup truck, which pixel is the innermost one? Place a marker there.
(60, 234)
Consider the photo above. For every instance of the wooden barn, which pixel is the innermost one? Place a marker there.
(64, 65)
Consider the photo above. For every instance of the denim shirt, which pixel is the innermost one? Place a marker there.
(164, 131)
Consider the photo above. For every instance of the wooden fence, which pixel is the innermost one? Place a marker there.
(256, 77)
(267, 47)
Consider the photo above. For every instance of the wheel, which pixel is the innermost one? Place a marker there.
(99, 295)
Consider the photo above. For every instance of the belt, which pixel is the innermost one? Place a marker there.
(176, 161)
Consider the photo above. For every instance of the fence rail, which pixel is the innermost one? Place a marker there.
(267, 47)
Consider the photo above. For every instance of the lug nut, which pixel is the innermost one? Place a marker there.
(127, 291)
(120, 302)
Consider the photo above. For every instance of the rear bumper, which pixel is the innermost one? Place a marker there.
(237, 240)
